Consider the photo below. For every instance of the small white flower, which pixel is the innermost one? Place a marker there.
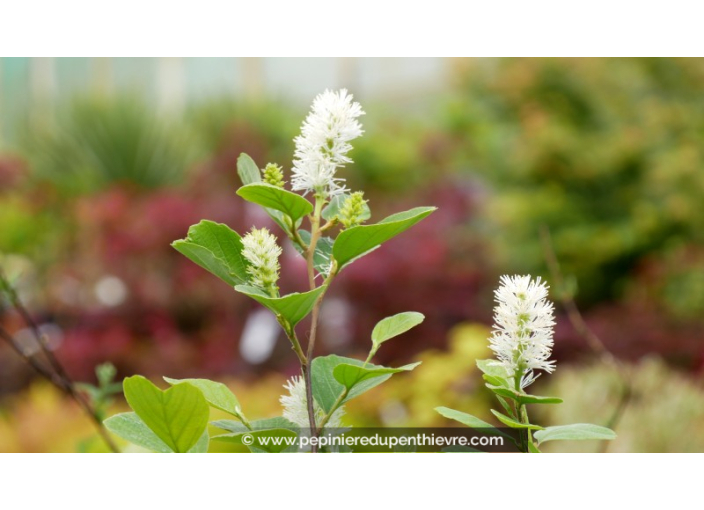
(262, 253)
(296, 410)
(323, 144)
(523, 327)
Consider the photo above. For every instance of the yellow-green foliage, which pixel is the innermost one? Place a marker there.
(664, 414)
(605, 152)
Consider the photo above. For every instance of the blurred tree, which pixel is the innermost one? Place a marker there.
(607, 153)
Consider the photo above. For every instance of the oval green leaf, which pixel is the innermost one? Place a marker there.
(510, 422)
(395, 325)
(249, 174)
(575, 432)
(357, 241)
(292, 205)
(521, 398)
(292, 307)
(491, 367)
(248, 170)
(179, 415)
(327, 389)
(470, 421)
(217, 394)
(350, 376)
(216, 248)
(130, 427)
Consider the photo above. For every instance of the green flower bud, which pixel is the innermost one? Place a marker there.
(274, 175)
(352, 209)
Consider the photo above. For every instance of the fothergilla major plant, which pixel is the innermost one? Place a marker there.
(327, 224)
(522, 340)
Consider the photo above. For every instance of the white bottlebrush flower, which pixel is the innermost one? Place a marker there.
(523, 327)
(323, 144)
(262, 252)
(296, 409)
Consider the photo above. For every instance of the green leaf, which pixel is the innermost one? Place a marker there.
(248, 170)
(532, 448)
(216, 248)
(130, 427)
(522, 398)
(503, 391)
(534, 399)
(249, 174)
(333, 208)
(275, 436)
(357, 241)
(292, 307)
(352, 375)
(179, 415)
(217, 394)
(292, 205)
(490, 368)
(393, 326)
(202, 445)
(496, 381)
(510, 422)
(267, 423)
(505, 405)
(470, 421)
(323, 251)
(575, 432)
(327, 389)
(230, 425)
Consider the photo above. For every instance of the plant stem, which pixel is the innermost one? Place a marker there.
(314, 236)
(522, 415)
(310, 262)
(327, 417)
(295, 238)
(293, 338)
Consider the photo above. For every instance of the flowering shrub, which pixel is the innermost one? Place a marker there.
(176, 420)
(522, 341)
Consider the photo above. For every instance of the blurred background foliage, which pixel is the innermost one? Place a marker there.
(605, 153)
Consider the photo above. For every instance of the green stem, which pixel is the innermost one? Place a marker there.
(244, 420)
(306, 368)
(334, 408)
(522, 415)
(295, 238)
(314, 236)
(372, 352)
(293, 338)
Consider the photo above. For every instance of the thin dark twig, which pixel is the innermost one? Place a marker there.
(34, 363)
(56, 373)
(593, 341)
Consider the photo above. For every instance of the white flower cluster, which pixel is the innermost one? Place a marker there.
(296, 410)
(262, 252)
(523, 327)
(324, 142)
